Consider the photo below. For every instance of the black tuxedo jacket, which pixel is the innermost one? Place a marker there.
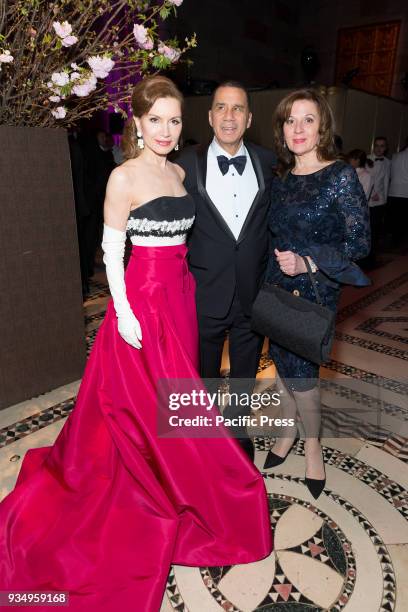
(219, 262)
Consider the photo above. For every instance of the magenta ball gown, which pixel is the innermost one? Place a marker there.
(105, 511)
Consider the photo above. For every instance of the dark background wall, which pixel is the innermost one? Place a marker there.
(321, 19)
(256, 41)
(260, 41)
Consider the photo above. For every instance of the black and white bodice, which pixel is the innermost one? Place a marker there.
(165, 220)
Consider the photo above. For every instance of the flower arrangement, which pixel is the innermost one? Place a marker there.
(62, 60)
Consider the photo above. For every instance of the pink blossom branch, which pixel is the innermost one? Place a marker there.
(38, 52)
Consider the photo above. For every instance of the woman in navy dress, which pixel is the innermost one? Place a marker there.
(318, 210)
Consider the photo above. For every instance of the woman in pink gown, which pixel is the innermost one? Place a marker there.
(103, 512)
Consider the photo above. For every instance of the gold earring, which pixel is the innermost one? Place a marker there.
(140, 142)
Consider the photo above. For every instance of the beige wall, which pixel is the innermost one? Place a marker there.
(359, 117)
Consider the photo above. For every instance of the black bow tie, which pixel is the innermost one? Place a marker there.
(379, 159)
(239, 163)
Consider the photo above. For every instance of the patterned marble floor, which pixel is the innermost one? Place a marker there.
(347, 551)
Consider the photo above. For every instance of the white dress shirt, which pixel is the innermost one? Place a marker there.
(231, 193)
(381, 176)
(399, 175)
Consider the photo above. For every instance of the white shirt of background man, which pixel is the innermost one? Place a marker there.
(381, 172)
(231, 193)
(399, 175)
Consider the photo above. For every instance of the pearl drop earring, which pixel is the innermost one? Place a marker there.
(140, 142)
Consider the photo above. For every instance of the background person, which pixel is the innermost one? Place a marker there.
(381, 173)
(99, 163)
(398, 197)
(358, 159)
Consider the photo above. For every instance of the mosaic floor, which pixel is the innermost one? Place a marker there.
(349, 549)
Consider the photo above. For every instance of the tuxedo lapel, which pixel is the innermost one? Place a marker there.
(201, 168)
(202, 152)
(256, 163)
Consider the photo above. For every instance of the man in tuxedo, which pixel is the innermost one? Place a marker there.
(381, 173)
(228, 246)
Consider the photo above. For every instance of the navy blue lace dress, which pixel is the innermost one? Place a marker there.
(324, 215)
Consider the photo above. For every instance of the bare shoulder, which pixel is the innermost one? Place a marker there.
(118, 200)
(119, 178)
(132, 167)
(179, 170)
(119, 190)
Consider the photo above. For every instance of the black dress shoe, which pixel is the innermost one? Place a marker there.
(247, 446)
(272, 459)
(315, 485)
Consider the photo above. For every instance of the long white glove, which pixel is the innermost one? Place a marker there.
(113, 245)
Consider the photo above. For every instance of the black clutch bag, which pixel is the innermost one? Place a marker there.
(303, 327)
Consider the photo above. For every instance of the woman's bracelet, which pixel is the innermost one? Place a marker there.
(313, 266)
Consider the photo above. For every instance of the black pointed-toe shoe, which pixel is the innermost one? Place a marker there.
(272, 459)
(315, 485)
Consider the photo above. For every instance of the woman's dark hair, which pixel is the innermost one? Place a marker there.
(144, 95)
(326, 149)
(361, 157)
(338, 143)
